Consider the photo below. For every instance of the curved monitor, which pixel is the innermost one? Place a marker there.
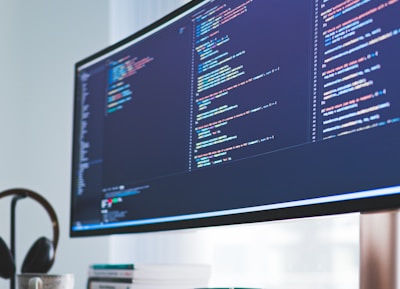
(234, 111)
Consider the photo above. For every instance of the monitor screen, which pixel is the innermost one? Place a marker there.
(236, 111)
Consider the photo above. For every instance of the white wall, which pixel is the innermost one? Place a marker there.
(40, 41)
(316, 253)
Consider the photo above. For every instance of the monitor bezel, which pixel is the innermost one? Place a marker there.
(367, 204)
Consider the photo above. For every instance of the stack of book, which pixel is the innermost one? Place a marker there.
(110, 276)
(148, 276)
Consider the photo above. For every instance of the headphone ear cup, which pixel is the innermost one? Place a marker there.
(7, 265)
(40, 257)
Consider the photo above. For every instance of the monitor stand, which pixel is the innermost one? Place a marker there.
(379, 250)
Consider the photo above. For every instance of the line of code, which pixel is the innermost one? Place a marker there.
(220, 69)
(355, 95)
(120, 71)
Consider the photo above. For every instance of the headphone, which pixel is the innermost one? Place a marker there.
(40, 256)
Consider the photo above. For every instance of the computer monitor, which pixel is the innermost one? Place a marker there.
(237, 111)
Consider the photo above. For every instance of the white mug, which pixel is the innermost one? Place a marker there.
(45, 281)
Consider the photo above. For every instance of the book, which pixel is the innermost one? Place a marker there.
(172, 272)
(111, 270)
(112, 266)
(110, 276)
(109, 285)
(148, 276)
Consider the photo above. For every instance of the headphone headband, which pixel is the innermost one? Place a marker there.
(49, 209)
